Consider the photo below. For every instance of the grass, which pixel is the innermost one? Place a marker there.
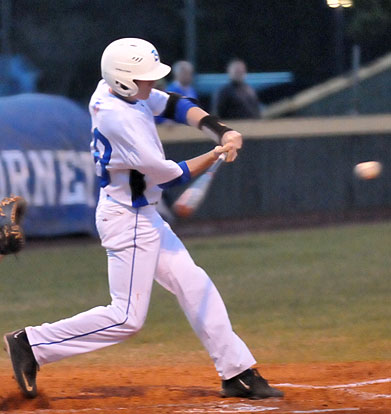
(305, 295)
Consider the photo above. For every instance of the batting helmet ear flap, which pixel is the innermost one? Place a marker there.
(126, 90)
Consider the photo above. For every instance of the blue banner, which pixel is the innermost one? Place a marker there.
(45, 158)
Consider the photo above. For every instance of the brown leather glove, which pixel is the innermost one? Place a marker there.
(12, 210)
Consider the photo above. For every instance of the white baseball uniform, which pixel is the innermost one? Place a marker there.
(140, 246)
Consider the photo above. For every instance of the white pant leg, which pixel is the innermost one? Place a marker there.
(132, 244)
(203, 306)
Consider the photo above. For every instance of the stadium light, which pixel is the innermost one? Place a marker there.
(339, 6)
(346, 3)
(337, 3)
(333, 3)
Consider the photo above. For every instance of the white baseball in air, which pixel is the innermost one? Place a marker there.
(368, 170)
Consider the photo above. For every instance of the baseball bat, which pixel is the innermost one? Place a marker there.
(193, 196)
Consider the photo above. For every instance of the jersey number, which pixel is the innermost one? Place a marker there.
(102, 155)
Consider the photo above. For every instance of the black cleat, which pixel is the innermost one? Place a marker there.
(23, 361)
(249, 384)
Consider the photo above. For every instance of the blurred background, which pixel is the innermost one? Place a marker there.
(308, 83)
(60, 43)
(255, 62)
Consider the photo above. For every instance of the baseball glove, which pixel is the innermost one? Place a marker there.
(12, 210)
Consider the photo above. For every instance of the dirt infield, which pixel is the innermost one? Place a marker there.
(343, 388)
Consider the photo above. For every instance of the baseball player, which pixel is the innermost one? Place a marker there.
(140, 246)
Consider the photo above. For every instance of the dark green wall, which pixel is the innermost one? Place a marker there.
(373, 97)
(285, 176)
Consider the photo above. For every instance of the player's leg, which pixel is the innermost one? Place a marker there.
(203, 306)
(206, 312)
(131, 270)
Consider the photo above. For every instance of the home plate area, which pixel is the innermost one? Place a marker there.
(341, 388)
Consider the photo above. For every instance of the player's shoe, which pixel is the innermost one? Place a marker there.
(249, 384)
(23, 361)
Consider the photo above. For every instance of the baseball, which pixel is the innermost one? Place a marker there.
(368, 170)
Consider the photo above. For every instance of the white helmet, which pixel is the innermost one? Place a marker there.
(129, 59)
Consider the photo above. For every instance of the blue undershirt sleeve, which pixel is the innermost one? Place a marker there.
(183, 179)
(182, 106)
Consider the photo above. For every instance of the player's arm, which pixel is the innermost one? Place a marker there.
(201, 163)
(195, 166)
(167, 173)
(186, 111)
(216, 130)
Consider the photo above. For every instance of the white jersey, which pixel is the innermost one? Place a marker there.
(124, 139)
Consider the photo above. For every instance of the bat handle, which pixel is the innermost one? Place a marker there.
(218, 162)
(223, 156)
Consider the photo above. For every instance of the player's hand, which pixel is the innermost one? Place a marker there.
(235, 138)
(228, 148)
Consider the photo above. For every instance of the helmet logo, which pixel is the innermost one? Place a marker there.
(137, 59)
(155, 55)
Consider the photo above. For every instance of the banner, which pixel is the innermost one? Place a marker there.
(45, 158)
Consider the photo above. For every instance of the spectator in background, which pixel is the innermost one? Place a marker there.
(183, 79)
(237, 99)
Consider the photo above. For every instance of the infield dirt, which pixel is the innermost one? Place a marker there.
(355, 387)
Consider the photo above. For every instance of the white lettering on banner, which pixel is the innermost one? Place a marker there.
(18, 172)
(72, 191)
(48, 177)
(44, 177)
(88, 167)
